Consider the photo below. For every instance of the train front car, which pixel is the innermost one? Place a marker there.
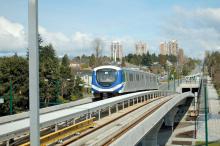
(107, 81)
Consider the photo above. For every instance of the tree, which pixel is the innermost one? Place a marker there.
(147, 59)
(15, 70)
(98, 47)
(162, 60)
(92, 61)
(49, 73)
(172, 59)
(123, 62)
(212, 63)
(65, 78)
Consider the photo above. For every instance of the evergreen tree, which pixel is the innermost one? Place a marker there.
(49, 74)
(14, 70)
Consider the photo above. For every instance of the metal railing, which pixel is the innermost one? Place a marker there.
(57, 136)
(56, 117)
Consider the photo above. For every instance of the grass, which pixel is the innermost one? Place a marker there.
(201, 143)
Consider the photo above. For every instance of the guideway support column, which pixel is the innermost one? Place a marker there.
(150, 139)
(170, 117)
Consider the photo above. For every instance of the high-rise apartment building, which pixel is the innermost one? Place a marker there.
(173, 47)
(116, 51)
(163, 48)
(170, 48)
(140, 48)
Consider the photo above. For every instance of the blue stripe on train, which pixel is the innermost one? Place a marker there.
(118, 81)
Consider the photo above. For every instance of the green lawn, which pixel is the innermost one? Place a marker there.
(201, 143)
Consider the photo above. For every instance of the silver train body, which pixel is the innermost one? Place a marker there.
(108, 81)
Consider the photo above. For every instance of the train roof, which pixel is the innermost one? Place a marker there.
(120, 68)
(107, 66)
(137, 70)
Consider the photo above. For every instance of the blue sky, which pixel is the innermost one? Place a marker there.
(72, 25)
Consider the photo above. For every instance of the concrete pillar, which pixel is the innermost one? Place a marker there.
(150, 139)
(56, 127)
(99, 115)
(116, 107)
(123, 105)
(109, 110)
(74, 120)
(8, 142)
(133, 101)
(170, 117)
(128, 102)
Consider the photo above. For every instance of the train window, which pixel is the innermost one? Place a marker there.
(106, 76)
(137, 77)
(123, 76)
(130, 77)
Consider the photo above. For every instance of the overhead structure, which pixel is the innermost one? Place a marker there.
(33, 72)
(193, 77)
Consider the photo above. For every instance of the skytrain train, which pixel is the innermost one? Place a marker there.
(109, 81)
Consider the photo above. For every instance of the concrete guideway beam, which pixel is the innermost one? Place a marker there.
(169, 119)
(133, 136)
(150, 139)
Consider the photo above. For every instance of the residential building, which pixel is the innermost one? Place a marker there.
(140, 48)
(163, 48)
(116, 51)
(172, 47)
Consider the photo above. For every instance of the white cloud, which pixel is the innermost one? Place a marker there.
(196, 30)
(12, 36)
(61, 42)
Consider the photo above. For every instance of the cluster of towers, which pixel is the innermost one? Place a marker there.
(166, 48)
(172, 48)
(117, 49)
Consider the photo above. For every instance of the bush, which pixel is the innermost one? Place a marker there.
(74, 98)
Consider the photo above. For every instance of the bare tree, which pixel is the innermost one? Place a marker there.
(98, 47)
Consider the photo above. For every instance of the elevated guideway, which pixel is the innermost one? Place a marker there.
(11, 130)
(145, 121)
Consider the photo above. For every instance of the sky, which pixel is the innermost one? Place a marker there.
(72, 25)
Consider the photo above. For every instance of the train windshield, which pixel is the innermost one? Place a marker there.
(106, 77)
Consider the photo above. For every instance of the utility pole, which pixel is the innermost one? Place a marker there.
(11, 98)
(57, 90)
(206, 114)
(168, 78)
(174, 84)
(178, 75)
(33, 72)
